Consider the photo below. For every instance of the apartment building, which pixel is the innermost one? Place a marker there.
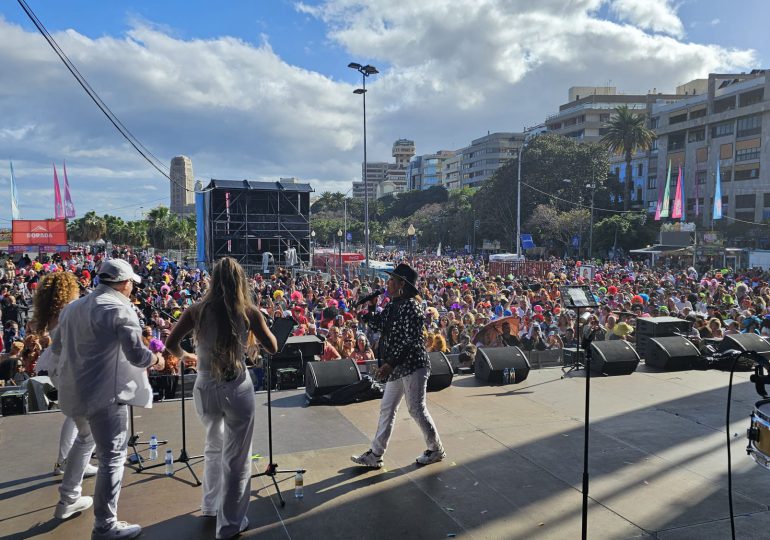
(427, 170)
(378, 172)
(729, 126)
(487, 154)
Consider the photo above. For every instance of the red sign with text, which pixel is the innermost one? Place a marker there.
(26, 232)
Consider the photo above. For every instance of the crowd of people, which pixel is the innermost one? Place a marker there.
(465, 306)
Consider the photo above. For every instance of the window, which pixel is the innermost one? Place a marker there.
(679, 118)
(745, 172)
(726, 175)
(700, 113)
(654, 145)
(722, 129)
(676, 141)
(640, 169)
(652, 182)
(724, 104)
(747, 154)
(726, 151)
(700, 177)
(702, 154)
(581, 119)
(745, 216)
(604, 118)
(695, 135)
(603, 131)
(654, 122)
(750, 98)
(749, 125)
(766, 198)
(745, 201)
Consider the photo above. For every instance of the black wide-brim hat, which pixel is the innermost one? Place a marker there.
(407, 274)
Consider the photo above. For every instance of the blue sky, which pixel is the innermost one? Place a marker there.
(260, 89)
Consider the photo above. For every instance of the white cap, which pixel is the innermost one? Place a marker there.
(117, 270)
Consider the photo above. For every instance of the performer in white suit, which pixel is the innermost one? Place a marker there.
(224, 393)
(102, 367)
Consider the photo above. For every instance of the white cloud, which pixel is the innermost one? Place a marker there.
(715, 22)
(450, 72)
(656, 15)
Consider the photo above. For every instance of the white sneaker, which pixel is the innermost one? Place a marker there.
(431, 456)
(120, 530)
(58, 468)
(65, 510)
(90, 470)
(368, 459)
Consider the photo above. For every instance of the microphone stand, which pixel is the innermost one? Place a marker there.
(272, 467)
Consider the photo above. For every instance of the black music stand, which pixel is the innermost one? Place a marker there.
(577, 298)
(133, 441)
(281, 329)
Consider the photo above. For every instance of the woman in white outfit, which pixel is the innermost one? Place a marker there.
(53, 293)
(223, 392)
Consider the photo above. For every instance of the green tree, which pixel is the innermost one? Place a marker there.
(627, 134)
(627, 230)
(557, 229)
(160, 225)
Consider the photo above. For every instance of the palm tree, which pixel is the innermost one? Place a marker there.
(627, 134)
(160, 222)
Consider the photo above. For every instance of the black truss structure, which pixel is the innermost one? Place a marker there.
(245, 218)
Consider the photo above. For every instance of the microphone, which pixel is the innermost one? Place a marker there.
(366, 299)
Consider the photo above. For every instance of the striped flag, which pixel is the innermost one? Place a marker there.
(718, 196)
(69, 208)
(666, 194)
(677, 213)
(58, 207)
(15, 214)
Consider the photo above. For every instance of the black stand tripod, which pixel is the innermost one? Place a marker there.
(272, 467)
(183, 457)
(133, 442)
(577, 298)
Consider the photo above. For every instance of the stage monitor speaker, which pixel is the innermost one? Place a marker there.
(305, 347)
(14, 402)
(570, 356)
(671, 353)
(650, 327)
(613, 357)
(323, 378)
(744, 343)
(491, 361)
(441, 372)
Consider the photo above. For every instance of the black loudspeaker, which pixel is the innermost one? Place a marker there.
(14, 402)
(570, 356)
(305, 347)
(323, 378)
(671, 353)
(441, 372)
(652, 327)
(613, 357)
(282, 363)
(490, 363)
(744, 343)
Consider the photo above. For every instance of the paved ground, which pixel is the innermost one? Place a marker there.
(658, 466)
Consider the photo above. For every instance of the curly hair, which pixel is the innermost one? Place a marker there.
(55, 291)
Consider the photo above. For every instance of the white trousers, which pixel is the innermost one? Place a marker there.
(226, 411)
(414, 387)
(69, 431)
(107, 431)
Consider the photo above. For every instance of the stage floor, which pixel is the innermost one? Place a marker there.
(658, 466)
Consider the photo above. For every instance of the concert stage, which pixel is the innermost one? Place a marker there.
(514, 468)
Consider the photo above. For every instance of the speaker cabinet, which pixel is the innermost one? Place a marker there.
(744, 343)
(441, 372)
(652, 327)
(490, 363)
(14, 402)
(613, 358)
(323, 378)
(570, 356)
(671, 353)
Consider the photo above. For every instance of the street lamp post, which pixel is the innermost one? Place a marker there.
(410, 232)
(591, 232)
(365, 71)
(518, 195)
(339, 237)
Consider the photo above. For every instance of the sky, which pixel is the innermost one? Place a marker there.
(260, 89)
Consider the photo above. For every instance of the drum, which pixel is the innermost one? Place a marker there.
(759, 434)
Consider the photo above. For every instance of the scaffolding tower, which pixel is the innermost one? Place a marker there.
(245, 218)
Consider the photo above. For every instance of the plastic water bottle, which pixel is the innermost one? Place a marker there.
(153, 447)
(506, 376)
(169, 463)
(299, 485)
(512, 376)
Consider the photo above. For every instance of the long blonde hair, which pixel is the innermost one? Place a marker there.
(226, 305)
(53, 293)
